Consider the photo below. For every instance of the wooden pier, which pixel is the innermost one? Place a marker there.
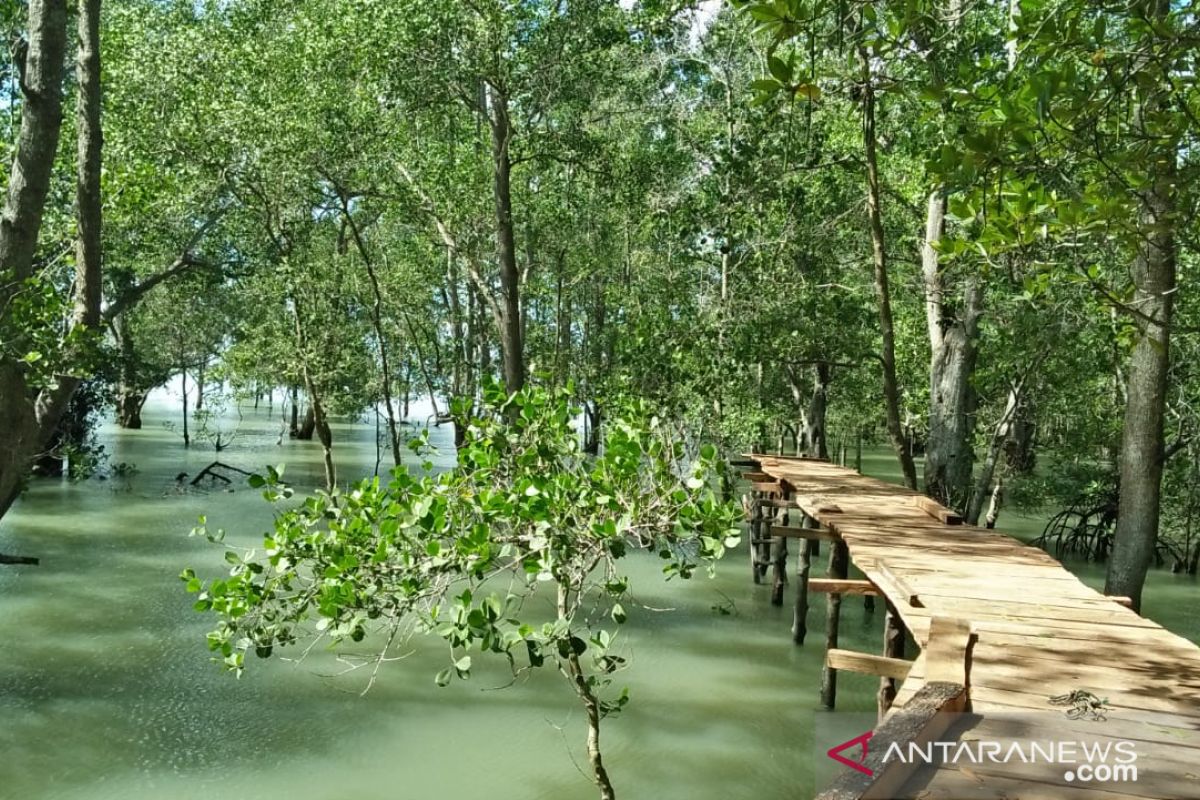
(1004, 630)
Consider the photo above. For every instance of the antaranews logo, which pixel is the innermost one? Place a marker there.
(860, 741)
(1082, 760)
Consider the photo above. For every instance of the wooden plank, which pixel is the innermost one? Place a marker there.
(745, 462)
(780, 458)
(948, 654)
(901, 591)
(777, 502)
(933, 508)
(924, 719)
(842, 586)
(816, 534)
(869, 664)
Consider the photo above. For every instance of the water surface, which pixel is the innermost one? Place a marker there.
(107, 691)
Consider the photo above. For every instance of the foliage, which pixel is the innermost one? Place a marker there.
(459, 554)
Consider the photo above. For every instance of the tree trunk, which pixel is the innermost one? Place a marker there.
(90, 144)
(295, 427)
(380, 334)
(953, 340)
(308, 425)
(987, 470)
(1154, 279)
(891, 390)
(591, 706)
(21, 220)
(512, 346)
(594, 419)
(187, 439)
(815, 440)
(1020, 453)
(200, 387)
(129, 408)
(325, 435)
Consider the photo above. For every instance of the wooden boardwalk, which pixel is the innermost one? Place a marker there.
(1038, 633)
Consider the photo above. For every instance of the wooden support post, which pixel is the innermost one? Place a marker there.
(839, 564)
(756, 532)
(779, 558)
(893, 647)
(800, 614)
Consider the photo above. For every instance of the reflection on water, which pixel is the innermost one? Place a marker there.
(106, 690)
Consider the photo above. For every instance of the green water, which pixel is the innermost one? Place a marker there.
(106, 690)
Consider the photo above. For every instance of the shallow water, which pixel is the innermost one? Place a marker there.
(107, 691)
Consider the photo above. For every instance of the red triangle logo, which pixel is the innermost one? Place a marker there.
(861, 740)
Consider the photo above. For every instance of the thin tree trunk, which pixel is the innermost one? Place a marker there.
(187, 440)
(512, 345)
(295, 427)
(1154, 280)
(130, 397)
(200, 386)
(891, 390)
(987, 470)
(591, 706)
(321, 423)
(380, 335)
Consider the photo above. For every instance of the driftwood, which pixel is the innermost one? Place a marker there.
(6, 559)
(211, 473)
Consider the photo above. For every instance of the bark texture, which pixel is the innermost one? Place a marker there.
(1154, 279)
(28, 420)
(512, 347)
(953, 337)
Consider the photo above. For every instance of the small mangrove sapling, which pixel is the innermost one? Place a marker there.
(525, 509)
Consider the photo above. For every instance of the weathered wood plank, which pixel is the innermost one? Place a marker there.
(843, 586)
(816, 534)
(933, 508)
(924, 719)
(868, 664)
